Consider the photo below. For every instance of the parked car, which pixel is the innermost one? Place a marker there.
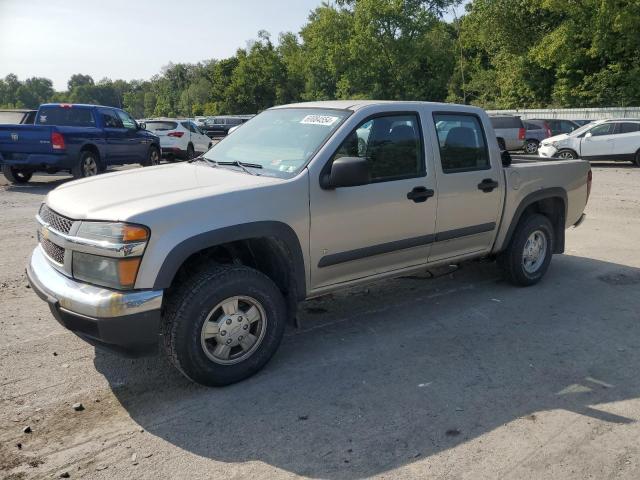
(210, 258)
(179, 138)
(17, 116)
(617, 139)
(81, 139)
(509, 131)
(559, 126)
(219, 126)
(536, 131)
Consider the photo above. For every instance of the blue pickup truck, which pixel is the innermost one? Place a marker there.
(81, 139)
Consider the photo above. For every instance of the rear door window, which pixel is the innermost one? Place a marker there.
(627, 127)
(462, 142)
(66, 116)
(109, 118)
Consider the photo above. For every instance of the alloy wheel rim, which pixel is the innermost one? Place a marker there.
(233, 330)
(532, 147)
(566, 155)
(534, 252)
(89, 167)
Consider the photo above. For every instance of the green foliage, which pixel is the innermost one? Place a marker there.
(500, 54)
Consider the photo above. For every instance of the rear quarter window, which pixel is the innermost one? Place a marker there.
(66, 117)
(506, 122)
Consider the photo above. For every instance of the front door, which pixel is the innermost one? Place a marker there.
(137, 144)
(597, 143)
(116, 137)
(385, 225)
(470, 189)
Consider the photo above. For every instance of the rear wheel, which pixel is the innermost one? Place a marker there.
(528, 256)
(223, 324)
(531, 147)
(637, 159)
(153, 157)
(566, 155)
(88, 166)
(16, 175)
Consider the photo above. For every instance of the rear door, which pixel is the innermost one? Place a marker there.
(626, 140)
(115, 135)
(597, 143)
(470, 188)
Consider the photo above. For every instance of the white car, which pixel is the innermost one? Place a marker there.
(179, 138)
(617, 139)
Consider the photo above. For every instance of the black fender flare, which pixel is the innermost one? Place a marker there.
(274, 229)
(545, 193)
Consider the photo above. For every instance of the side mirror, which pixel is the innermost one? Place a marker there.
(588, 135)
(142, 126)
(347, 172)
(506, 158)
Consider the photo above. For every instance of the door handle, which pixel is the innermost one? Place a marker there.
(487, 185)
(420, 194)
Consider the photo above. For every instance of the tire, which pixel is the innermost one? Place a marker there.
(636, 162)
(566, 155)
(190, 152)
(501, 144)
(199, 352)
(531, 147)
(519, 269)
(15, 175)
(87, 166)
(153, 157)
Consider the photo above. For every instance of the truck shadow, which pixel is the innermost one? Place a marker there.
(379, 377)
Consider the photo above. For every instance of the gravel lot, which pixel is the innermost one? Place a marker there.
(462, 376)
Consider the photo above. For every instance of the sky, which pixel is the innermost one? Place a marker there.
(132, 39)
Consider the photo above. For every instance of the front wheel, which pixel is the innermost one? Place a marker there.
(223, 324)
(15, 175)
(566, 155)
(528, 256)
(153, 157)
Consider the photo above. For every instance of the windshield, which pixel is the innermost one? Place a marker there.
(281, 141)
(582, 129)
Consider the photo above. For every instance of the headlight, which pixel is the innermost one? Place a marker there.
(109, 253)
(117, 273)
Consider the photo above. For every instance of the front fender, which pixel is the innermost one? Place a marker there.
(179, 254)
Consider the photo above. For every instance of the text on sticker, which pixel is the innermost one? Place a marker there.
(319, 120)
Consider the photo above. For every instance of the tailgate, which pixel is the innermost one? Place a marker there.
(16, 140)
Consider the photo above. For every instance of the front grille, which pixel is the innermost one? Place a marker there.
(55, 220)
(53, 251)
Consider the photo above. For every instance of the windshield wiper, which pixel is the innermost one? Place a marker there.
(204, 159)
(242, 165)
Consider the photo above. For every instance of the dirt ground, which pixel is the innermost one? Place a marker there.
(458, 377)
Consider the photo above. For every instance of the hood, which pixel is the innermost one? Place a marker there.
(120, 196)
(556, 138)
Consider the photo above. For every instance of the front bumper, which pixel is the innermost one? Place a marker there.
(126, 321)
(547, 151)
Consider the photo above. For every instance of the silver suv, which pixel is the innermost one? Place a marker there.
(509, 130)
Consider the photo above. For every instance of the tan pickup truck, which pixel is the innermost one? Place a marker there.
(210, 258)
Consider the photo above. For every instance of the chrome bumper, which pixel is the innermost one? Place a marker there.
(84, 299)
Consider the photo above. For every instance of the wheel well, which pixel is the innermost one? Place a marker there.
(91, 148)
(532, 140)
(554, 209)
(268, 255)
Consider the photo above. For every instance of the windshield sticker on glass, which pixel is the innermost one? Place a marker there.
(319, 120)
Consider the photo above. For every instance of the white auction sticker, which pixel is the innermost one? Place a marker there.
(319, 120)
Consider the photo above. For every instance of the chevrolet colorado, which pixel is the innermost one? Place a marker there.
(210, 258)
